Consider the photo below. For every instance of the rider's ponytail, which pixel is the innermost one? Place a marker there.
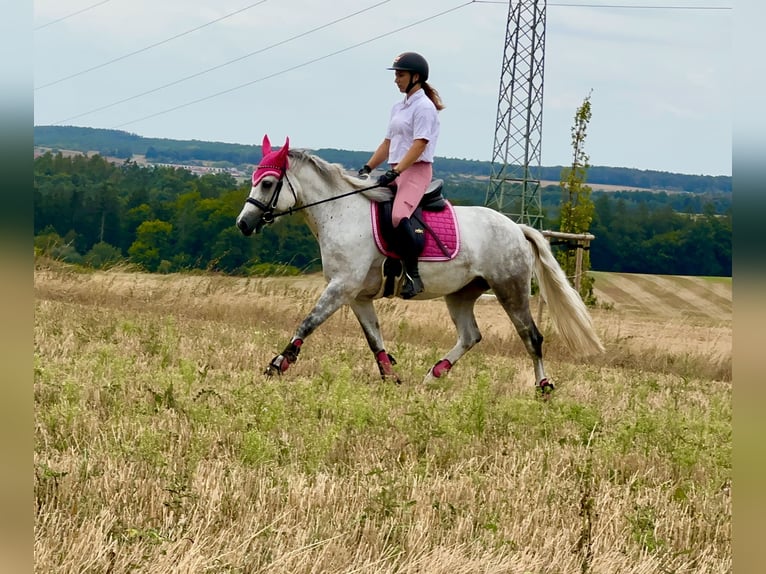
(433, 95)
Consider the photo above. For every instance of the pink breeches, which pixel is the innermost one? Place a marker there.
(411, 186)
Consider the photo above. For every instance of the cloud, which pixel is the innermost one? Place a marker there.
(330, 88)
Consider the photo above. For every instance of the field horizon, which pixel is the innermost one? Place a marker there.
(161, 447)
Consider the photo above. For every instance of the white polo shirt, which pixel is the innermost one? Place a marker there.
(414, 118)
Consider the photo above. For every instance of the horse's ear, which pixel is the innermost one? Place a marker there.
(280, 158)
(266, 146)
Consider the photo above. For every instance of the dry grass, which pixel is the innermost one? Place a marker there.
(160, 448)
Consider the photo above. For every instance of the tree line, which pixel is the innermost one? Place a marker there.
(640, 231)
(125, 145)
(88, 210)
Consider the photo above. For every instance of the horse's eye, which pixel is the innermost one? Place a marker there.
(266, 184)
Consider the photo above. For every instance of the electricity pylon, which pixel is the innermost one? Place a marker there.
(514, 182)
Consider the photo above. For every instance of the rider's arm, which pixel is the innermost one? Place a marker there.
(416, 149)
(379, 155)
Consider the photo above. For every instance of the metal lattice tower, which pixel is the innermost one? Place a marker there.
(514, 183)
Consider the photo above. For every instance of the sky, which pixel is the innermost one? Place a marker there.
(659, 73)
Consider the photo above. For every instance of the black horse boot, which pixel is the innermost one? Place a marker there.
(408, 247)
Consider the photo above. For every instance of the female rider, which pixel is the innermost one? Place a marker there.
(408, 148)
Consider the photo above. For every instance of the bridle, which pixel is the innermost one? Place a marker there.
(269, 215)
(268, 209)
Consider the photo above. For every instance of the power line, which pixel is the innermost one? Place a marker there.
(286, 70)
(51, 23)
(639, 6)
(223, 92)
(161, 42)
(197, 74)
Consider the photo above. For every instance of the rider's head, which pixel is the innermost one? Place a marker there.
(415, 65)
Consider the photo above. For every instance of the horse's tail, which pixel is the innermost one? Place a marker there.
(568, 312)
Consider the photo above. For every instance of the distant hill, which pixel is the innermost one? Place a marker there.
(125, 145)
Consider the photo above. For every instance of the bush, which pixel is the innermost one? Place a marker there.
(103, 255)
(50, 243)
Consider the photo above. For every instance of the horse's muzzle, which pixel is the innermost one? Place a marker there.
(246, 230)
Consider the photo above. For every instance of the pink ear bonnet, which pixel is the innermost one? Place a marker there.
(273, 163)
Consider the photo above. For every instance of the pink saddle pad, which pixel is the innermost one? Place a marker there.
(443, 223)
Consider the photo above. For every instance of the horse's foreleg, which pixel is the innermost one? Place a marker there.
(368, 319)
(460, 306)
(331, 299)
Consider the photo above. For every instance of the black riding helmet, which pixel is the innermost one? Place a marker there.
(411, 62)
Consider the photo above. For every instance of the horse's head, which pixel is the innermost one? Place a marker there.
(266, 199)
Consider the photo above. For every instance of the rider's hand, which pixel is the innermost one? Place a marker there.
(365, 171)
(388, 178)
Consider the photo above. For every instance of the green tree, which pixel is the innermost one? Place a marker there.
(189, 238)
(576, 204)
(231, 251)
(225, 248)
(152, 245)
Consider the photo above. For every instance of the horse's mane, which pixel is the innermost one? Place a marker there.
(336, 176)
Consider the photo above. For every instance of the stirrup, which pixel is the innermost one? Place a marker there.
(412, 286)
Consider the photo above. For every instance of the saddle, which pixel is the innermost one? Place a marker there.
(435, 227)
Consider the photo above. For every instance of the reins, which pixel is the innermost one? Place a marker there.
(268, 211)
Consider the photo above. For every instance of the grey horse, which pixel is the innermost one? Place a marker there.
(495, 254)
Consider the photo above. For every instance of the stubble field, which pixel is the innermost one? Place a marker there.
(160, 447)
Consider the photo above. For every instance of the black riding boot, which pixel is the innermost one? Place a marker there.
(409, 254)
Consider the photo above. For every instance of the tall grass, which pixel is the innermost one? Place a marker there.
(160, 447)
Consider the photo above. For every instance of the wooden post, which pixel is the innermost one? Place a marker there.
(578, 268)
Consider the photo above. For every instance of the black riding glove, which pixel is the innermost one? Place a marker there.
(366, 169)
(388, 178)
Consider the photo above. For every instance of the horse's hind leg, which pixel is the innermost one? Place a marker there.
(460, 306)
(514, 298)
(368, 319)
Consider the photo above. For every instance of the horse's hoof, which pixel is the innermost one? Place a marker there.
(393, 377)
(271, 370)
(277, 366)
(386, 366)
(545, 388)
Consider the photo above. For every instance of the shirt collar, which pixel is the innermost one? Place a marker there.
(415, 96)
